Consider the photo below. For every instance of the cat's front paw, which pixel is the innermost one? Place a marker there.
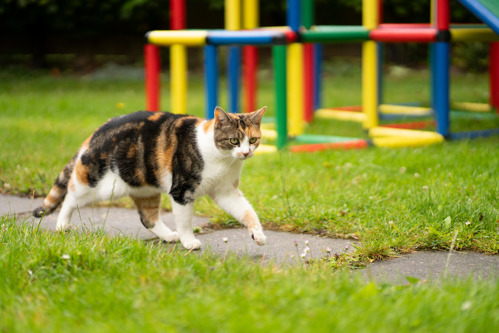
(191, 244)
(172, 237)
(63, 227)
(258, 236)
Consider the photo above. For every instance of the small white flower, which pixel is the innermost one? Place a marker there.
(425, 188)
(403, 169)
(225, 239)
(466, 305)
(65, 257)
(305, 251)
(347, 247)
(328, 250)
(306, 242)
(30, 272)
(417, 175)
(468, 222)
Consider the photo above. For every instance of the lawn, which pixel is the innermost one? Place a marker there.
(393, 201)
(90, 282)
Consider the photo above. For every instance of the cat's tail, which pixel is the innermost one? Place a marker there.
(57, 192)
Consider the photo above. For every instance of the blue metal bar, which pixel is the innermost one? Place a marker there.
(441, 87)
(233, 76)
(317, 76)
(293, 15)
(474, 134)
(379, 72)
(211, 80)
(260, 37)
(433, 84)
(483, 13)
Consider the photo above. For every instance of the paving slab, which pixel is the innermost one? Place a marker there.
(281, 247)
(113, 220)
(433, 265)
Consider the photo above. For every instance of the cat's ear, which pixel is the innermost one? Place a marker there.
(256, 117)
(221, 117)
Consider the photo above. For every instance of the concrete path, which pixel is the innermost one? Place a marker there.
(281, 248)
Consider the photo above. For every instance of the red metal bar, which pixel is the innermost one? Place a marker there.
(422, 35)
(250, 69)
(152, 79)
(404, 25)
(443, 15)
(309, 148)
(290, 36)
(494, 75)
(177, 14)
(413, 125)
(308, 81)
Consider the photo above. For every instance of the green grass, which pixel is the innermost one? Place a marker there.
(90, 282)
(394, 201)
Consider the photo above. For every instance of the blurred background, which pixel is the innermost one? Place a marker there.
(74, 36)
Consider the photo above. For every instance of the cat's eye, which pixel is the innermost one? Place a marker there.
(234, 141)
(253, 140)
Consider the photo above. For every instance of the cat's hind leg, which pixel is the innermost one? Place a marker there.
(149, 216)
(71, 202)
(183, 219)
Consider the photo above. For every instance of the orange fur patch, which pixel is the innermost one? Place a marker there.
(164, 153)
(132, 151)
(81, 172)
(207, 125)
(155, 116)
(148, 209)
(250, 219)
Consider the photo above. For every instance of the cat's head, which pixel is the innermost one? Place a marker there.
(238, 133)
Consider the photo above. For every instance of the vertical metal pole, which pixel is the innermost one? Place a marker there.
(211, 80)
(152, 77)
(233, 76)
(279, 59)
(441, 90)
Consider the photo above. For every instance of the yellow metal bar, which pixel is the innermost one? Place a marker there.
(369, 84)
(268, 133)
(232, 14)
(467, 106)
(473, 34)
(405, 109)
(250, 17)
(178, 70)
(265, 149)
(399, 142)
(171, 37)
(295, 89)
(340, 115)
(400, 132)
(370, 15)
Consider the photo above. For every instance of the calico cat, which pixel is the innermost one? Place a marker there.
(144, 154)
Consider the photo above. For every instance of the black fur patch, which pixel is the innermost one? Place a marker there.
(187, 163)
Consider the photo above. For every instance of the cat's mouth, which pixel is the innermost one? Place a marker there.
(242, 156)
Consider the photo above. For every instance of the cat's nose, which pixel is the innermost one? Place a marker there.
(246, 154)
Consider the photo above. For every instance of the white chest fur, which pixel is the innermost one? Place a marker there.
(221, 171)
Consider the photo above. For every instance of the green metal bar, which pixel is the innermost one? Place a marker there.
(279, 58)
(335, 34)
(307, 13)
